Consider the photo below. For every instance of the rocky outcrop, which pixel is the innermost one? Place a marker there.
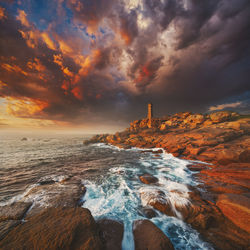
(65, 194)
(111, 233)
(14, 211)
(148, 236)
(56, 228)
(221, 139)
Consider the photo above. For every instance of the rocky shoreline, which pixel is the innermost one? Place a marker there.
(64, 224)
(219, 206)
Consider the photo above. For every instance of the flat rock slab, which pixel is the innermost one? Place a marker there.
(148, 179)
(55, 228)
(147, 236)
(14, 211)
(236, 208)
(111, 233)
(6, 226)
(67, 194)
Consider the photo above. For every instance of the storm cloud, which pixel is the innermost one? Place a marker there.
(99, 60)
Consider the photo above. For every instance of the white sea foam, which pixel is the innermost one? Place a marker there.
(120, 195)
(18, 197)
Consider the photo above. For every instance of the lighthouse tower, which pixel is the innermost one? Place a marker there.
(150, 114)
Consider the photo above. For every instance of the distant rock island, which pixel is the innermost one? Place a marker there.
(220, 145)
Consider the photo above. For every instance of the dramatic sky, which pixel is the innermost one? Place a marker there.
(94, 64)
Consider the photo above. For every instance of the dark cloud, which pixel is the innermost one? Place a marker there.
(90, 12)
(181, 55)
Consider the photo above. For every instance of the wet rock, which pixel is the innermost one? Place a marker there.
(55, 228)
(203, 221)
(159, 151)
(196, 167)
(111, 233)
(148, 236)
(157, 199)
(149, 212)
(236, 208)
(14, 211)
(7, 226)
(68, 194)
(46, 182)
(148, 179)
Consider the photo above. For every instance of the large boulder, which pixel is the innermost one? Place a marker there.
(194, 119)
(157, 199)
(147, 236)
(56, 228)
(14, 211)
(220, 116)
(236, 208)
(111, 233)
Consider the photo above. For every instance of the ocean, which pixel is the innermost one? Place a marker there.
(111, 176)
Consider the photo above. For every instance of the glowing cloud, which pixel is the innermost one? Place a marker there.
(225, 105)
(2, 14)
(13, 68)
(25, 108)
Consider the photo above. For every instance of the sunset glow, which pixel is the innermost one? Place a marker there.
(63, 61)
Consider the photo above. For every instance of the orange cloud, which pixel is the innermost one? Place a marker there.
(77, 92)
(2, 14)
(48, 41)
(13, 68)
(65, 85)
(37, 65)
(33, 35)
(2, 84)
(126, 37)
(30, 37)
(59, 60)
(22, 17)
(25, 108)
(144, 73)
(64, 47)
(87, 64)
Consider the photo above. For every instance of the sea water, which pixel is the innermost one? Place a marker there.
(111, 176)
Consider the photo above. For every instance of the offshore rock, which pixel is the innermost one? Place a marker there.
(148, 179)
(111, 233)
(148, 236)
(55, 228)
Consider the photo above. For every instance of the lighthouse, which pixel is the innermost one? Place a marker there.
(150, 114)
